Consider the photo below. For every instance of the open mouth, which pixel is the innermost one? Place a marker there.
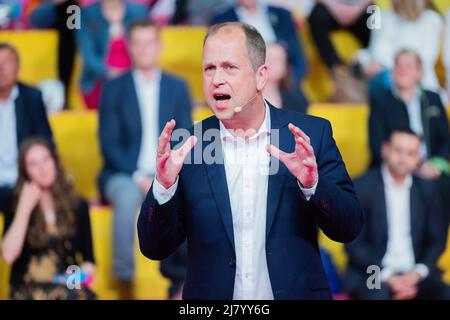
(222, 97)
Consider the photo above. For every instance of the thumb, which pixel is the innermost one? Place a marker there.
(182, 152)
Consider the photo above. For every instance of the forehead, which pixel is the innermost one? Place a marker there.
(149, 32)
(37, 151)
(228, 43)
(6, 53)
(405, 140)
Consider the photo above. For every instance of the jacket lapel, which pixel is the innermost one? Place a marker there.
(282, 138)
(218, 180)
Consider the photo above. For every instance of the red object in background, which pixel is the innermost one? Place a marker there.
(118, 56)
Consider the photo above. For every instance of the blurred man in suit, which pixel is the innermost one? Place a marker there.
(403, 230)
(134, 108)
(22, 114)
(275, 25)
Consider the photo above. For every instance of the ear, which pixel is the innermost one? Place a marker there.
(385, 150)
(261, 77)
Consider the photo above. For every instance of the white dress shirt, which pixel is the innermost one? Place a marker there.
(399, 256)
(446, 53)
(8, 140)
(414, 110)
(259, 20)
(246, 164)
(148, 97)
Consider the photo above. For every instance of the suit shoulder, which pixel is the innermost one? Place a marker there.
(28, 90)
(174, 79)
(433, 97)
(306, 120)
(279, 10)
(223, 16)
(119, 81)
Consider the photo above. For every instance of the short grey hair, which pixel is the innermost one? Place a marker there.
(256, 47)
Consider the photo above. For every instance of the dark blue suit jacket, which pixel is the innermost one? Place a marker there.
(428, 231)
(31, 117)
(200, 211)
(120, 126)
(285, 31)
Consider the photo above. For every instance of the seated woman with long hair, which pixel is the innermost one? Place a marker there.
(48, 234)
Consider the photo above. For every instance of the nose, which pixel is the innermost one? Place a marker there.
(217, 78)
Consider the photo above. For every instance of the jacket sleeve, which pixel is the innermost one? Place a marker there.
(339, 214)
(161, 228)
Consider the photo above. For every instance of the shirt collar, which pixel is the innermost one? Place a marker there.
(141, 80)
(389, 181)
(226, 135)
(13, 96)
(242, 12)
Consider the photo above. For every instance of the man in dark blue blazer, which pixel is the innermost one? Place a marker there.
(134, 108)
(278, 22)
(22, 114)
(251, 227)
(403, 234)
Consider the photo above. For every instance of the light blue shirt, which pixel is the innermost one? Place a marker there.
(8, 142)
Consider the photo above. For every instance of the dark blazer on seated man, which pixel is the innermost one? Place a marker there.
(30, 120)
(388, 112)
(285, 31)
(121, 127)
(428, 236)
(201, 211)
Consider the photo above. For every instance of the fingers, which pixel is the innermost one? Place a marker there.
(164, 138)
(297, 132)
(301, 143)
(277, 153)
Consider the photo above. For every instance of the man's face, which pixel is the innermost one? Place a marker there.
(9, 69)
(229, 79)
(145, 47)
(402, 154)
(407, 72)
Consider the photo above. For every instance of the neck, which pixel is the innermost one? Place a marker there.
(398, 179)
(148, 73)
(408, 94)
(5, 93)
(47, 202)
(247, 122)
(252, 9)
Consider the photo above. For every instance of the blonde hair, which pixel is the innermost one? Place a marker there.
(411, 10)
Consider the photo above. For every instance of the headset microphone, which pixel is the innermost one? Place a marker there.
(241, 107)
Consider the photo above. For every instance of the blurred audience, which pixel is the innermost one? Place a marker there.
(52, 14)
(328, 16)
(22, 114)
(134, 109)
(412, 24)
(101, 40)
(403, 232)
(446, 52)
(280, 89)
(198, 12)
(46, 230)
(406, 105)
(274, 24)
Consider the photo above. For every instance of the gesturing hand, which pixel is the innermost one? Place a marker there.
(302, 162)
(168, 161)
